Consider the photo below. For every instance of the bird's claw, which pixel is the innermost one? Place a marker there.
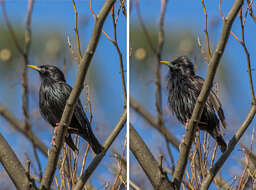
(199, 122)
(182, 142)
(53, 140)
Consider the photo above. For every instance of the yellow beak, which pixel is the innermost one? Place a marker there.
(34, 67)
(166, 63)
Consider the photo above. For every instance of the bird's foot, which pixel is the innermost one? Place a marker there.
(197, 132)
(55, 133)
(183, 139)
(56, 128)
(186, 125)
(53, 140)
(182, 142)
(199, 122)
(70, 128)
(73, 129)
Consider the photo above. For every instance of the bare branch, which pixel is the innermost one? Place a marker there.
(213, 65)
(115, 43)
(157, 177)
(213, 171)
(251, 11)
(152, 121)
(76, 31)
(158, 92)
(206, 33)
(13, 166)
(19, 126)
(149, 40)
(88, 172)
(24, 79)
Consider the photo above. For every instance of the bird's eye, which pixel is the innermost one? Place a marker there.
(42, 70)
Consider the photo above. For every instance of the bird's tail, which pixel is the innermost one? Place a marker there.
(219, 139)
(222, 144)
(70, 142)
(92, 140)
(96, 146)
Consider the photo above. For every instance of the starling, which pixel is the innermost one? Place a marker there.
(184, 87)
(53, 94)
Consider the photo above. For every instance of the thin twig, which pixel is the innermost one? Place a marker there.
(149, 40)
(96, 17)
(19, 126)
(76, 31)
(151, 120)
(158, 92)
(13, 166)
(251, 11)
(158, 179)
(95, 162)
(120, 55)
(231, 145)
(206, 32)
(120, 167)
(38, 162)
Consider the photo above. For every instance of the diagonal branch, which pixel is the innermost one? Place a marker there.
(213, 171)
(88, 172)
(13, 166)
(29, 134)
(213, 65)
(163, 130)
(19, 126)
(72, 100)
(150, 119)
(156, 175)
(76, 31)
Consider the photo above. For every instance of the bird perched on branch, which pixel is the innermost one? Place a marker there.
(184, 87)
(53, 94)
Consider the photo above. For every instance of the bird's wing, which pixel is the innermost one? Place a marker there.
(214, 100)
(79, 111)
(53, 98)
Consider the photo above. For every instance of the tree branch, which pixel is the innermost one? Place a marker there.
(152, 121)
(19, 126)
(76, 31)
(157, 177)
(13, 166)
(231, 145)
(72, 100)
(88, 172)
(213, 65)
(158, 92)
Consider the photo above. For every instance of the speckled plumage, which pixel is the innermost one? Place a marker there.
(53, 94)
(184, 87)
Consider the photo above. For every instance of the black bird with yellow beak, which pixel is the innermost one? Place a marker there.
(184, 87)
(53, 94)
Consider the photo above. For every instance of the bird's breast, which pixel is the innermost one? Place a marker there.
(181, 98)
(51, 102)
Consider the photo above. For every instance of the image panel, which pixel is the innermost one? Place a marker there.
(192, 94)
(63, 94)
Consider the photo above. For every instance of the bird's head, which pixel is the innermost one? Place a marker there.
(181, 65)
(49, 72)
